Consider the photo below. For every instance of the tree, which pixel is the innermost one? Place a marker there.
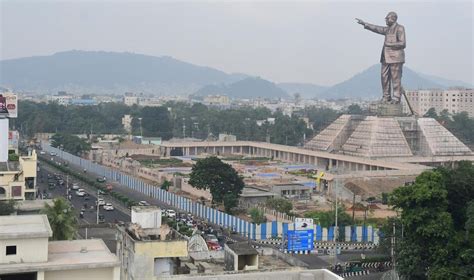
(257, 216)
(70, 143)
(220, 179)
(433, 247)
(431, 113)
(328, 218)
(7, 207)
(61, 219)
(354, 109)
(281, 205)
(166, 185)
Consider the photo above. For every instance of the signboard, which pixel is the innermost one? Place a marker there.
(304, 224)
(299, 240)
(9, 104)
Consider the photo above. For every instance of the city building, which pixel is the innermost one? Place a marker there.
(146, 248)
(127, 123)
(294, 191)
(130, 99)
(453, 100)
(28, 255)
(62, 98)
(217, 100)
(18, 178)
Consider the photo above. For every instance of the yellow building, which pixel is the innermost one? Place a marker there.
(28, 255)
(146, 249)
(18, 178)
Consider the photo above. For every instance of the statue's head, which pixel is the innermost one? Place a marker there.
(391, 18)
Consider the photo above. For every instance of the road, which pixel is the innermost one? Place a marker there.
(90, 216)
(123, 214)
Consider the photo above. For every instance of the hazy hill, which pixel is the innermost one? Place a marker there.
(108, 71)
(246, 88)
(306, 90)
(367, 84)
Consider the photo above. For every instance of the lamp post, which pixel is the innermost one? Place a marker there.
(141, 129)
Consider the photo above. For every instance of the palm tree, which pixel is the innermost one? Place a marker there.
(61, 218)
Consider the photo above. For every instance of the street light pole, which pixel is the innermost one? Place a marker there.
(97, 203)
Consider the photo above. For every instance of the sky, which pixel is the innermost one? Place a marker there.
(284, 41)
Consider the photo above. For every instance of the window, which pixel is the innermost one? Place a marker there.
(11, 250)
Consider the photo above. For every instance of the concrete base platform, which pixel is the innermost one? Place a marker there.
(386, 110)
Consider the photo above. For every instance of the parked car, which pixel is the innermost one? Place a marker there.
(75, 186)
(143, 203)
(101, 179)
(170, 213)
(108, 207)
(79, 193)
(213, 246)
(211, 237)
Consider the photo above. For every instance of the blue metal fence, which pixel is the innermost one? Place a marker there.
(244, 228)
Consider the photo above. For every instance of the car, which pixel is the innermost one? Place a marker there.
(79, 193)
(108, 207)
(101, 179)
(100, 202)
(170, 213)
(52, 154)
(101, 192)
(42, 153)
(75, 186)
(213, 246)
(143, 203)
(211, 237)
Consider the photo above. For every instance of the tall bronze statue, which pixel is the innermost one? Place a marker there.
(393, 56)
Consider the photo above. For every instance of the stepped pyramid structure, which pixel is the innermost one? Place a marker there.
(388, 137)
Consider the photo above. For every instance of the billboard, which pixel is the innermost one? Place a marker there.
(9, 105)
(12, 104)
(304, 224)
(299, 240)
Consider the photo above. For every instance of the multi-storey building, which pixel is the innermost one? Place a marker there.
(27, 254)
(454, 100)
(18, 178)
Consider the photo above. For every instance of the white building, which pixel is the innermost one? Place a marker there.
(454, 100)
(127, 123)
(63, 100)
(28, 255)
(218, 100)
(130, 99)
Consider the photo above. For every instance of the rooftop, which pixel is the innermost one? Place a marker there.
(28, 226)
(73, 254)
(255, 192)
(242, 248)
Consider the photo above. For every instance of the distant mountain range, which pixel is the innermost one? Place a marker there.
(247, 88)
(112, 72)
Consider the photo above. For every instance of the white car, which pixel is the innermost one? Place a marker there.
(143, 203)
(108, 207)
(170, 213)
(75, 186)
(101, 202)
(52, 154)
(79, 193)
(42, 153)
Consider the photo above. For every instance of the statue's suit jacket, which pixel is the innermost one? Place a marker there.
(395, 42)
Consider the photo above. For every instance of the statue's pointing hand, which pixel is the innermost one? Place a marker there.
(359, 21)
